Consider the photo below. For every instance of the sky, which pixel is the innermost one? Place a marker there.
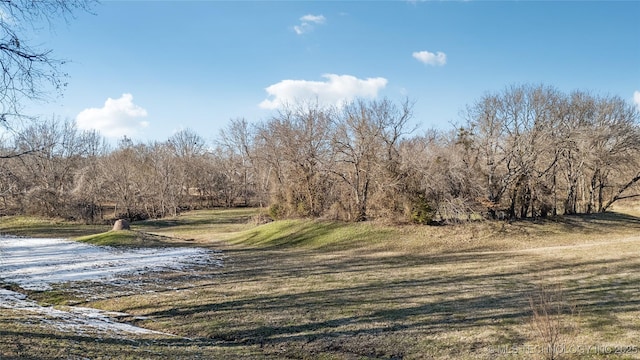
(147, 69)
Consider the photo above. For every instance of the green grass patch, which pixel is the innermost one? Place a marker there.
(301, 233)
(31, 226)
(125, 238)
(112, 238)
(215, 224)
(53, 297)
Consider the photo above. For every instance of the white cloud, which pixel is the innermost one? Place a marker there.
(336, 90)
(306, 23)
(636, 99)
(318, 19)
(118, 117)
(429, 58)
(301, 29)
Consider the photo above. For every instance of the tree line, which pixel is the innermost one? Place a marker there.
(526, 151)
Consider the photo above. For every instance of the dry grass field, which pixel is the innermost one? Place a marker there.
(302, 289)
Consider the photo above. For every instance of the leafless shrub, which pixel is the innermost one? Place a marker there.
(260, 219)
(553, 320)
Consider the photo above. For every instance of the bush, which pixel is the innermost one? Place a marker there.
(421, 212)
(277, 211)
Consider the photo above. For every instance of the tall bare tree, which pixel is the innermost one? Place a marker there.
(366, 139)
(188, 148)
(28, 71)
(539, 150)
(236, 144)
(296, 145)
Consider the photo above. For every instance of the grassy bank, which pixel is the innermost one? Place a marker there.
(305, 289)
(47, 228)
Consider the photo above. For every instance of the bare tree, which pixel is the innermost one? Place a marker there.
(57, 151)
(295, 144)
(119, 169)
(89, 186)
(236, 145)
(441, 182)
(29, 72)
(539, 149)
(484, 138)
(366, 143)
(613, 162)
(188, 148)
(165, 180)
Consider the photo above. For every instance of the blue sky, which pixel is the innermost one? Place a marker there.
(149, 68)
